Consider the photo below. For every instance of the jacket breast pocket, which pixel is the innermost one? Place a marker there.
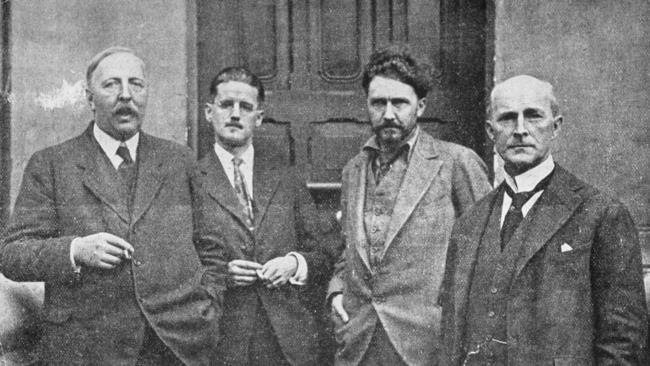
(576, 253)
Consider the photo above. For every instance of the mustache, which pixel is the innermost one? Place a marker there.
(234, 124)
(388, 124)
(125, 109)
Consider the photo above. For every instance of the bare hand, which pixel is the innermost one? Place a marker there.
(278, 271)
(101, 250)
(337, 308)
(242, 272)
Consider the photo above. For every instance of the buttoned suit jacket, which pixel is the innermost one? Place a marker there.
(441, 182)
(285, 221)
(71, 190)
(584, 306)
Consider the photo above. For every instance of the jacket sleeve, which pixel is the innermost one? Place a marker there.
(470, 181)
(32, 248)
(210, 246)
(618, 295)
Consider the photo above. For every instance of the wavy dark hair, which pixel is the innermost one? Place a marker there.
(397, 62)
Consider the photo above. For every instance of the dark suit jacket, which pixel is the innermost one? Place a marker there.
(285, 221)
(71, 190)
(580, 307)
(442, 181)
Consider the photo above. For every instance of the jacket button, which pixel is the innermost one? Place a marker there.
(491, 314)
(494, 290)
(138, 263)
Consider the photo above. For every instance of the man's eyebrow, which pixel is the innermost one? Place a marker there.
(506, 115)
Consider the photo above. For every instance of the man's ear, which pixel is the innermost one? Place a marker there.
(557, 125)
(89, 98)
(489, 130)
(260, 118)
(208, 112)
(422, 105)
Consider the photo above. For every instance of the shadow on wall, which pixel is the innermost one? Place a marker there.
(20, 315)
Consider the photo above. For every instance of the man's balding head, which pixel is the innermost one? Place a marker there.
(523, 83)
(523, 120)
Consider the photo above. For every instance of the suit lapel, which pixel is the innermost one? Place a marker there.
(467, 252)
(100, 177)
(358, 184)
(266, 179)
(150, 176)
(421, 171)
(554, 207)
(217, 185)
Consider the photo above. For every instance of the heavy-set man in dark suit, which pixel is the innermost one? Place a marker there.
(266, 247)
(545, 270)
(401, 195)
(105, 220)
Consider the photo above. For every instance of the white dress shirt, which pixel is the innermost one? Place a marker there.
(526, 182)
(246, 168)
(109, 145)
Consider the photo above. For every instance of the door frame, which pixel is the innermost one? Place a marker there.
(5, 111)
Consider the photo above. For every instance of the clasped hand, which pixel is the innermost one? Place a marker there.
(274, 273)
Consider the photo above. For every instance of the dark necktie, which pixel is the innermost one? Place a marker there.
(127, 167)
(242, 194)
(515, 215)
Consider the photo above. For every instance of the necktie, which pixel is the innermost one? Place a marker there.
(127, 167)
(515, 215)
(242, 194)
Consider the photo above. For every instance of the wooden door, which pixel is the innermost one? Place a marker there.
(310, 55)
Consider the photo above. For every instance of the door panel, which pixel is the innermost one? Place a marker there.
(310, 56)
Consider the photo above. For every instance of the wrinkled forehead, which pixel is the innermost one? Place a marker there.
(237, 91)
(122, 64)
(521, 93)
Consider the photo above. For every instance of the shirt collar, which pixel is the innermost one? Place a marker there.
(527, 180)
(109, 145)
(372, 144)
(225, 156)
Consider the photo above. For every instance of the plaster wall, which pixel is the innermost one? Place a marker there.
(52, 42)
(596, 55)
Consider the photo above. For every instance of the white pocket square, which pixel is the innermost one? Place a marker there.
(565, 248)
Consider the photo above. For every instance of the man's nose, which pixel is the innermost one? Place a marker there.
(520, 126)
(125, 92)
(235, 112)
(388, 113)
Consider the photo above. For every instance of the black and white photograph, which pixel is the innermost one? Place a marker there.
(324, 182)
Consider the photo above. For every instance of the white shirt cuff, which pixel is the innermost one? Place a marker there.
(300, 277)
(75, 267)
